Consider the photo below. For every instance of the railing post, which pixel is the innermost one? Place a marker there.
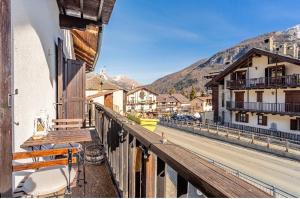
(286, 146)
(131, 166)
(149, 176)
(217, 130)
(227, 132)
(208, 127)
(125, 164)
(239, 134)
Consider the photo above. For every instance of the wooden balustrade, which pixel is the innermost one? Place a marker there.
(145, 166)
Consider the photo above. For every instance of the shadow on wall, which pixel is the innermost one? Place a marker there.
(43, 18)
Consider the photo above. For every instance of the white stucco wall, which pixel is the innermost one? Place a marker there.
(35, 28)
(118, 101)
(91, 92)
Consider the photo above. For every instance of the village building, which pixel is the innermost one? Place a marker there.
(106, 93)
(141, 99)
(46, 48)
(260, 90)
(173, 103)
(166, 104)
(201, 104)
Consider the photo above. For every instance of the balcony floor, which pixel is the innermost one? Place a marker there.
(99, 181)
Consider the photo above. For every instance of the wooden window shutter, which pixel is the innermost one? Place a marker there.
(265, 120)
(293, 124)
(247, 118)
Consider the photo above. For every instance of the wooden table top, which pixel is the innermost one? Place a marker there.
(60, 137)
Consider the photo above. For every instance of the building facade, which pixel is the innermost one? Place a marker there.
(173, 103)
(201, 104)
(106, 93)
(46, 54)
(262, 90)
(141, 99)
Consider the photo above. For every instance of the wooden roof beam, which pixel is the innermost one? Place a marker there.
(79, 51)
(81, 43)
(80, 54)
(84, 59)
(70, 22)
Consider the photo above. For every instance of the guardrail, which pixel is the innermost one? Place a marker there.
(265, 82)
(143, 164)
(270, 189)
(262, 107)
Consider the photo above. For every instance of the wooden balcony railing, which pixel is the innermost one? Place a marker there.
(141, 102)
(260, 107)
(145, 166)
(265, 82)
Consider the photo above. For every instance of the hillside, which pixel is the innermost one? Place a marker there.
(193, 75)
(121, 81)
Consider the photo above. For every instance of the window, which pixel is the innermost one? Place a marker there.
(241, 117)
(295, 124)
(259, 96)
(271, 60)
(262, 120)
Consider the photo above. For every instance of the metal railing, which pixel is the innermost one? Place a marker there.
(266, 187)
(265, 82)
(262, 107)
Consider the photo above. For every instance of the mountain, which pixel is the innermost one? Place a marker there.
(120, 80)
(125, 82)
(195, 74)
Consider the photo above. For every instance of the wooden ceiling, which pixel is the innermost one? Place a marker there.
(85, 19)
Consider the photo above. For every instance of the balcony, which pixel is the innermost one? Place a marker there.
(133, 102)
(291, 81)
(142, 164)
(260, 107)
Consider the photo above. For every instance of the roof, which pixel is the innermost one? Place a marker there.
(204, 98)
(165, 98)
(250, 53)
(85, 19)
(141, 88)
(93, 83)
(181, 98)
(99, 94)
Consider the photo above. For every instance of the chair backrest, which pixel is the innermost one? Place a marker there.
(67, 124)
(42, 153)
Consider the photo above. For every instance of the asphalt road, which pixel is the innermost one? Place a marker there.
(281, 172)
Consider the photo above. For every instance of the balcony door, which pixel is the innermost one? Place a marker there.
(239, 99)
(74, 89)
(292, 101)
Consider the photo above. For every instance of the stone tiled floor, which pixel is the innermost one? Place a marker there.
(99, 182)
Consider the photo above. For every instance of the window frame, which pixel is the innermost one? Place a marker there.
(263, 121)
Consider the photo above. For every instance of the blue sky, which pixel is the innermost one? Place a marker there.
(147, 39)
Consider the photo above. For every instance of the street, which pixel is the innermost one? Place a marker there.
(280, 172)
